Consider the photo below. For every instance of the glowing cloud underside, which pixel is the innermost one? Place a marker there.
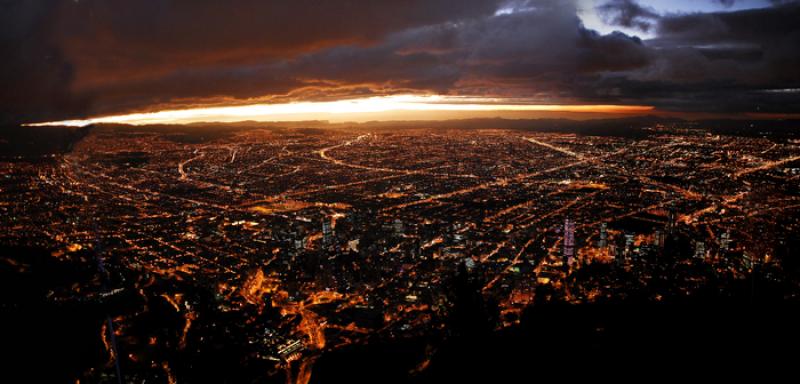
(273, 112)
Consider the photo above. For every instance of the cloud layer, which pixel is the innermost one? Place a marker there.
(73, 59)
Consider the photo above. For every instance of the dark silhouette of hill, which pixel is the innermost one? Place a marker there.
(33, 142)
(705, 336)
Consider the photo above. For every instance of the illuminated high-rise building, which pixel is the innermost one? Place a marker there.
(725, 241)
(748, 261)
(671, 220)
(628, 250)
(603, 242)
(327, 232)
(659, 238)
(700, 250)
(399, 228)
(569, 241)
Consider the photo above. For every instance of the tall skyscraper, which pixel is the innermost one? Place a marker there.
(747, 260)
(628, 250)
(659, 238)
(725, 241)
(327, 232)
(671, 218)
(700, 250)
(569, 241)
(603, 242)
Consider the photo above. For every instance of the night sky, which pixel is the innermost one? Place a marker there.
(86, 58)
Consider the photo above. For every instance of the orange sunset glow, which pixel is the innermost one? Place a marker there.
(353, 109)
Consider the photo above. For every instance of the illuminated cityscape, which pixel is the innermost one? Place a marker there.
(399, 192)
(309, 240)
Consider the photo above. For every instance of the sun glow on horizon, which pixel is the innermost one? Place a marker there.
(369, 105)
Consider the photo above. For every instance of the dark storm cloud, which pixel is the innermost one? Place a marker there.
(539, 52)
(163, 35)
(66, 59)
(628, 13)
(525, 53)
(33, 70)
(62, 54)
(725, 61)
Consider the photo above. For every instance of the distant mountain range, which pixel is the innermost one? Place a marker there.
(37, 141)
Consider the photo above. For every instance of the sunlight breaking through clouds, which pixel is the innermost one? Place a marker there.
(277, 112)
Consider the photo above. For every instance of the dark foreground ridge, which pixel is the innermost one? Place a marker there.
(624, 341)
(696, 337)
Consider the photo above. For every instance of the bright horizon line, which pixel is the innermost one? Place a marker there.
(375, 104)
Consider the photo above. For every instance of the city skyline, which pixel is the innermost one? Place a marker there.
(399, 191)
